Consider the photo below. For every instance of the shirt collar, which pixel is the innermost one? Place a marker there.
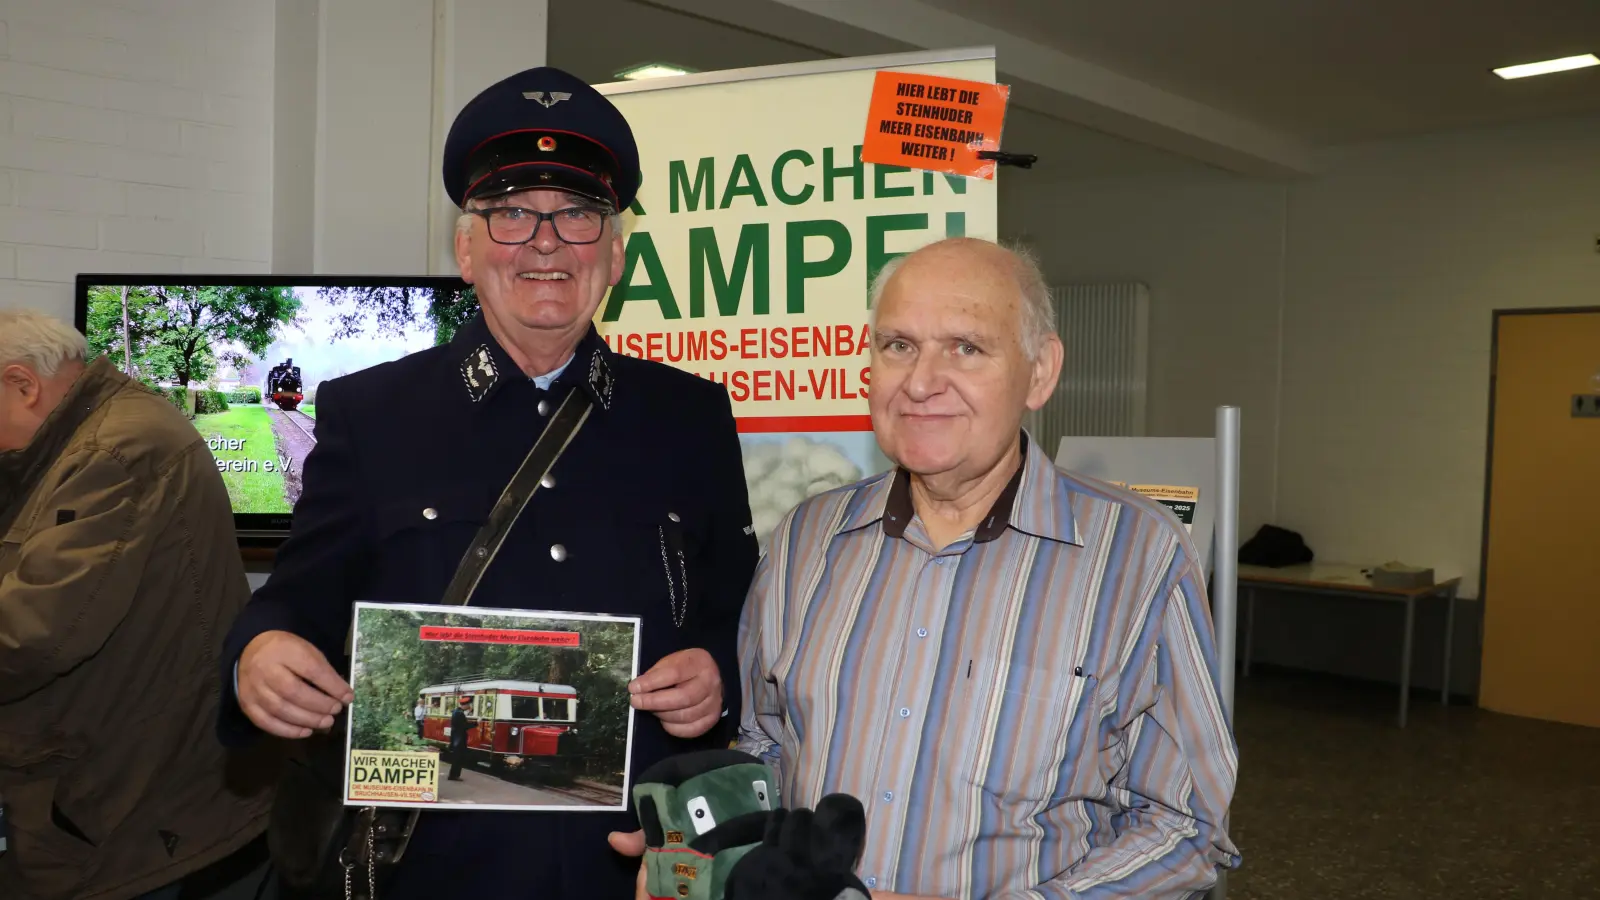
(485, 366)
(1035, 501)
(543, 382)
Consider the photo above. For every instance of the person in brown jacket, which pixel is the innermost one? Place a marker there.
(119, 575)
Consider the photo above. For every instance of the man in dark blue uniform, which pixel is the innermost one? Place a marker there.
(645, 514)
(458, 736)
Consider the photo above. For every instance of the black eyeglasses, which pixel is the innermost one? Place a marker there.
(518, 225)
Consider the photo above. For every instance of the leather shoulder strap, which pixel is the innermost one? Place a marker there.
(546, 450)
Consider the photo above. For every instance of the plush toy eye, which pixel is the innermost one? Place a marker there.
(761, 793)
(700, 815)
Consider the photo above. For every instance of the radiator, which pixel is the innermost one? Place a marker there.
(1105, 331)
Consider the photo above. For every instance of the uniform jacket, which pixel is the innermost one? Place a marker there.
(458, 729)
(118, 574)
(411, 456)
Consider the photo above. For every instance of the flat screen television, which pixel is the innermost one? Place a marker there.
(242, 356)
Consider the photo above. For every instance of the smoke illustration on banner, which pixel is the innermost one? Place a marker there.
(753, 243)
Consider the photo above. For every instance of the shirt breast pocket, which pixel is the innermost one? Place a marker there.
(1030, 709)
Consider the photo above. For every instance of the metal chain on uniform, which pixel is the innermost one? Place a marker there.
(372, 870)
(672, 596)
(372, 864)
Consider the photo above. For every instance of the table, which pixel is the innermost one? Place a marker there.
(1341, 579)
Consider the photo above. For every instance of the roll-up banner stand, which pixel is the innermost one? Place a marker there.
(758, 229)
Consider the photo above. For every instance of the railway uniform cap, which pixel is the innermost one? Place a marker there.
(541, 128)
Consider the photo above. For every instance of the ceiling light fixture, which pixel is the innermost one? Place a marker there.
(652, 70)
(1550, 65)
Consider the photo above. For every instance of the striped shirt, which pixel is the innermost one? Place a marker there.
(1030, 712)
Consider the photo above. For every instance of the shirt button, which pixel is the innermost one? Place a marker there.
(904, 712)
(888, 795)
(544, 407)
(558, 552)
(430, 513)
(547, 481)
(872, 881)
(922, 632)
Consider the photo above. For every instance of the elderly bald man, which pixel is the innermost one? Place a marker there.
(1009, 664)
(118, 573)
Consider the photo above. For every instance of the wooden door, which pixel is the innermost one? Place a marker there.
(1541, 591)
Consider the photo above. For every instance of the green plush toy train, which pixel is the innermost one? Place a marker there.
(701, 813)
(714, 830)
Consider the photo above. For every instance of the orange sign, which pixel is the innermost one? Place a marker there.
(931, 122)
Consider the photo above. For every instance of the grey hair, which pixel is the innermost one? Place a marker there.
(40, 342)
(1038, 311)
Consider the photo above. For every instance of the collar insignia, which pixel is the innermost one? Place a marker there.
(600, 378)
(479, 373)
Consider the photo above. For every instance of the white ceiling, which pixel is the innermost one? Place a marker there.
(657, 34)
(1328, 71)
(642, 32)
(1110, 87)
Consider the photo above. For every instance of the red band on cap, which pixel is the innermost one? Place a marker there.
(575, 134)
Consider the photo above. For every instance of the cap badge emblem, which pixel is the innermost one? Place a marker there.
(539, 97)
(547, 143)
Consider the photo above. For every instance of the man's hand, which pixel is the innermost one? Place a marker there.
(684, 690)
(286, 686)
(631, 844)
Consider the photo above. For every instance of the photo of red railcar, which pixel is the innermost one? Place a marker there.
(510, 721)
(490, 709)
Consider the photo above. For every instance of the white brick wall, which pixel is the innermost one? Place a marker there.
(135, 135)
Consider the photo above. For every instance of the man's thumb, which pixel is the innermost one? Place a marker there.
(628, 843)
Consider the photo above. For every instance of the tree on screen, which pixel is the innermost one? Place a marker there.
(181, 333)
(396, 309)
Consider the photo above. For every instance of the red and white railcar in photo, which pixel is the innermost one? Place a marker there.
(509, 720)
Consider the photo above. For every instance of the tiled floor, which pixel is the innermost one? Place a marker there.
(1336, 801)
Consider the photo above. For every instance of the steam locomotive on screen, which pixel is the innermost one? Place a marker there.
(283, 385)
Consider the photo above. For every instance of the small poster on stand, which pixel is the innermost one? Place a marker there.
(471, 708)
(1181, 500)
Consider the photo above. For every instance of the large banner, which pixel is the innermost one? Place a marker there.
(756, 234)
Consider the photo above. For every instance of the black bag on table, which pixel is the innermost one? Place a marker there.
(1275, 547)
